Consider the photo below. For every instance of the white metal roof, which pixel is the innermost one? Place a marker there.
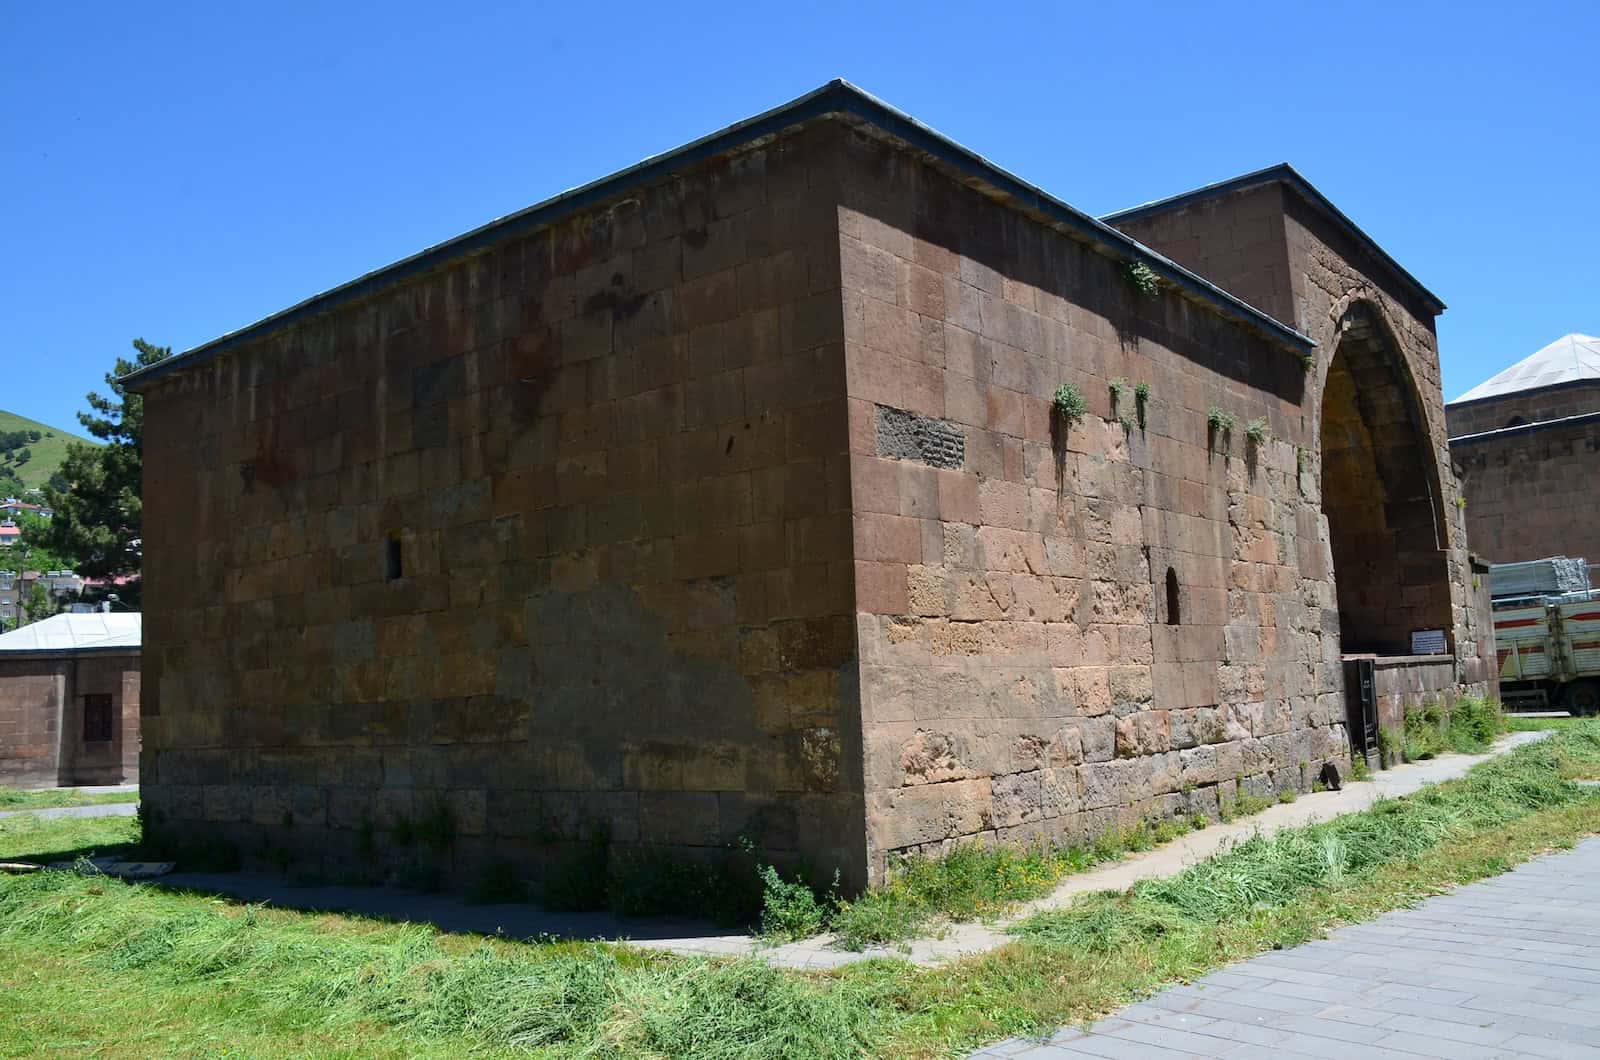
(98, 629)
(1566, 360)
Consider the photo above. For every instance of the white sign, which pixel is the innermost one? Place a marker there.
(1427, 642)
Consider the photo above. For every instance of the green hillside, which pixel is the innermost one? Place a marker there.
(48, 451)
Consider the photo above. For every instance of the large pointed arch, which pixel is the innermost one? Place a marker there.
(1381, 492)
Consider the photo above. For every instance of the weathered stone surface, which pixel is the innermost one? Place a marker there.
(43, 738)
(1018, 798)
(1529, 492)
(910, 436)
(737, 502)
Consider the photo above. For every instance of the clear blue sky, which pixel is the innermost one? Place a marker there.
(176, 170)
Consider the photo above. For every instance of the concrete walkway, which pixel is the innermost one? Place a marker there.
(526, 921)
(103, 809)
(1509, 967)
(1171, 859)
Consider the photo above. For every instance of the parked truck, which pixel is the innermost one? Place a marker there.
(1549, 651)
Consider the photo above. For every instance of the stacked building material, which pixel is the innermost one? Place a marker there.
(1539, 577)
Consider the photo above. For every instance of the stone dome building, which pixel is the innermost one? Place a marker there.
(1526, 446)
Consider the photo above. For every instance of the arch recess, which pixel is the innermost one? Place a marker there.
(1381, 493)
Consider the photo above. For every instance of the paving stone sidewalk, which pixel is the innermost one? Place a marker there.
(1509, 967)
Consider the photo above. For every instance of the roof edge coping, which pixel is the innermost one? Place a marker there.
(1525, 428)
(1286, 174)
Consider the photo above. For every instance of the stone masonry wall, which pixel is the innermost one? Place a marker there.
(736, 506)
(1334, 283)
(30, 717)
(1532, 493)
(1238, 242)
(113, 761)
(1020, 677)
(1531, 406)
(1403, 684)
(41, 720)
(611, 461)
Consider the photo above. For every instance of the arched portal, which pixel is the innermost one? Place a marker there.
(1380, 495)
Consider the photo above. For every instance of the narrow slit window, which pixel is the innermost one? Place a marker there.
(392, 568)
(1174, 606)
(96, 719)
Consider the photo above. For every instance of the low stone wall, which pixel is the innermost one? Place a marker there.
(1407, 682)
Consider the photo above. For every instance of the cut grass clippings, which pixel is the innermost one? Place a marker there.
(1265, 872)
(49, 798)
(975, 881)
(46, 839)
(344, 985)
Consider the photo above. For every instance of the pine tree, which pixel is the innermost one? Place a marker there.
(98, 517)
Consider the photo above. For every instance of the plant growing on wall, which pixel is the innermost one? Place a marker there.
(1220, 425)
(1069, 404)
(1141, 398)
(1119, 392)
(1257, 431)
(1308, 362)
(1141, 278)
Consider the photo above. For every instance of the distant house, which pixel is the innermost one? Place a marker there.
(10, 533)
(15, 586)
(11, 507)
(69, 701)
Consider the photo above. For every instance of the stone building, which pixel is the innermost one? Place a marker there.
(1526, 447)
(69, 701)
(726, 496)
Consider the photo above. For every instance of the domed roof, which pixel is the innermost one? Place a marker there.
(1566, 360)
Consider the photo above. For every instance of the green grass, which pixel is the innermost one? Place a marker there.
(48, 451)
(348, 979)
(1268, 872)
(29, 837)
(97, 966)
(1244, 804)
(974, 881)
(1469, 727)
(971, 882)
(16, 799)
(1519, 724)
